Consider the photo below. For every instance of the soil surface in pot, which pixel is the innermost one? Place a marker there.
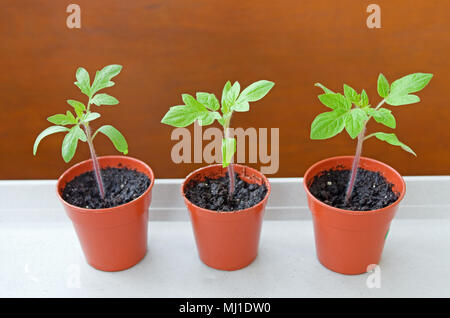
(212, 194)
(371, 191)
(121, 185)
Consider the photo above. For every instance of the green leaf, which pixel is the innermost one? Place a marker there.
(190, 101)
(255, 91)
(335, 101)
(180, 116)
(69, 145)
(241, 106)
(229, 95)
(70, 117)
(398, 100)
(91, 116)
(78, 106)
(61, 119)
(228, 150)
(207, 118)
(402, 88)
(225, 92)
(383, 116)
(329, 124)
(383, 86)
(354, 122)
(209, 100)
(326, 90)
(48, 131)
(115, 136)
(80, 133)
(234, 91)
(410, 83)
(393, 140)
(103, 78)
(104, 99)
(364, 99)
(83, 81)
(351, 94)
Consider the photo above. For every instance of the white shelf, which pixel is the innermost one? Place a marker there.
(40, 255)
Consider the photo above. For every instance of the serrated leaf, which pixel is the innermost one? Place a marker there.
(83, 81)
(80, 133)
(48, 131)
(364, 99)
(103, 77)
(104, 99)
(69, 145)
(209, 100)
(329, 124)
(207, 118)
(351, 94)
(241, 106)
(382, 86)
(335, 101)
(228, 150)
(401, 89)
(399, 100)
(225, 92)
(180, 116)
(393, 140)
(355, 121)
(91, 116)
(229, 95)
(115, 136)
(410, 83)
(78, 106)
(59, 119)
(70, 117)
(383, 116)
(255, 91)
(190, 101)
(326, 90)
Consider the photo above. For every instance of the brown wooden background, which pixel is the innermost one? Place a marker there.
(169, 47)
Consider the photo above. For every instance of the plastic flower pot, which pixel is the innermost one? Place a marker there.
(227, 240)
(347, 241)
(112, 239)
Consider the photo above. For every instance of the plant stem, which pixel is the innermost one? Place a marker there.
(356, 159)
(355, 165)
(230, 165)
(97, 171)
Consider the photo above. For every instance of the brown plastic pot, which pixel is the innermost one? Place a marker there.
(227, 240)
(347, 241)
(112, 239)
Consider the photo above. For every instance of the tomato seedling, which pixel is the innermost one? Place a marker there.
(80, 122)
(352, 111)
(204, 108)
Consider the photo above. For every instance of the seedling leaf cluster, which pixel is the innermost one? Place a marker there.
(204, 109)
(352, 111)
(79, 122)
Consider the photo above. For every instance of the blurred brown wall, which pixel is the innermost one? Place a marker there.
(169, 47)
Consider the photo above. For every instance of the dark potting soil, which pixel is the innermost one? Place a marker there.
(213, 194)
(121, 185)
(371, 191)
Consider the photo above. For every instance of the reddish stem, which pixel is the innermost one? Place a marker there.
(230, 166)
(232, 180)
(95, 164)
(351, 183)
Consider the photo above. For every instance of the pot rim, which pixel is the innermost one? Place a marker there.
(351, 212)
(104, 210)
(259, 204)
